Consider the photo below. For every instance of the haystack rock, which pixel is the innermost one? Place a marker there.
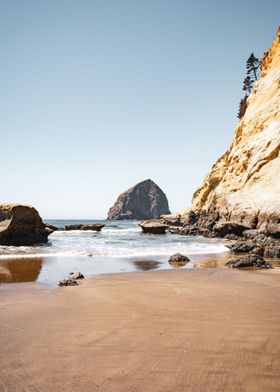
(21, 225)
(244, 184)
(143, 201)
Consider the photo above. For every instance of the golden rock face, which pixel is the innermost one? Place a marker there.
(247, 176)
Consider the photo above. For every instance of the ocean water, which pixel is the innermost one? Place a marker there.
(117, 239)
(119, 247)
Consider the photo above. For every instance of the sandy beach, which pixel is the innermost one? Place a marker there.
(191, 330)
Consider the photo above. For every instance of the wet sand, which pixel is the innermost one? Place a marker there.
(179, 330)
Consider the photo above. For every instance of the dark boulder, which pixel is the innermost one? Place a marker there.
(221, 229)
(153, 227)
(231, 237)
(252, 234)
(272, 251)
(174, 230)
(52, 227)
(273, 229)
(68, 282)
(76, 275)
(143, 201)
(248, 261)
(242, 246)
(21, 225)
(178, 260)
(83, 227)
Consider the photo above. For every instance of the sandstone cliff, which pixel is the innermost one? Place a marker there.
(143, 201)
(244, 184)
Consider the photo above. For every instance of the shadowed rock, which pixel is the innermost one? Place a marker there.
(76, 275)
(21, 225)
(221, 229)
(68, 282)
(93, 227)
(178, 260)
(143, 201)
(248, 261)
(153, 227)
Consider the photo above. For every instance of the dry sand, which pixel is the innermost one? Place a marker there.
(192, 330)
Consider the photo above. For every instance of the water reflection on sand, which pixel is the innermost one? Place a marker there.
(20, 270)
(50, 270)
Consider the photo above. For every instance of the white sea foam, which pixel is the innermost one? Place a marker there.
(118, 239)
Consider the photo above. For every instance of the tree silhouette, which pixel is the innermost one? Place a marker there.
(252, 65)
(242, 107)
(248, 84)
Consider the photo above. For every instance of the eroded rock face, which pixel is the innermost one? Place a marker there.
(21, 225)
(243, 185)
(143, 201)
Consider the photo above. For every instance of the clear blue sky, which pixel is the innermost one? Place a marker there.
(96, 96)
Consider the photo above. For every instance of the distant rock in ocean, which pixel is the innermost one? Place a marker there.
(143, 201)
(21, 225)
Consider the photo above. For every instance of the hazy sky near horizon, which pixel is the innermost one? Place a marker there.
(98, 95)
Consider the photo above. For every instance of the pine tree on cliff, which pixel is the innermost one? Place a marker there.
(242, 107)
(248, 84)
(252, 65)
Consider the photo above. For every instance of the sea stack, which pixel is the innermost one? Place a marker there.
(243, 185)
(21, 225)
(144, 200)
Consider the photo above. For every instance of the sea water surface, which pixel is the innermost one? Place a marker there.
(119, 247)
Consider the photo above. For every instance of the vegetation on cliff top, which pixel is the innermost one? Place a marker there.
(252, 65)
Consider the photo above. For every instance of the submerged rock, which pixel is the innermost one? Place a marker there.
(153, 227)
(143, 201)
(248, 261)
(21, 225)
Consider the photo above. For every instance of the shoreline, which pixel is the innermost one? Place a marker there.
(51, 269)
(196, 329)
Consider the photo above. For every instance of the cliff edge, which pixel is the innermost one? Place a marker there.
(244, 183)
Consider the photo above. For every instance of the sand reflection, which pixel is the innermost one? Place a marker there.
(177, 264)
(146, 265)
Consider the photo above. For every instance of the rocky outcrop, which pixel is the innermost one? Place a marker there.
(240, 198)
(83, 227)
(153, 227)
(243, 185)
(72, 279)
(21, 225)
(143, 201)
(250, 261)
